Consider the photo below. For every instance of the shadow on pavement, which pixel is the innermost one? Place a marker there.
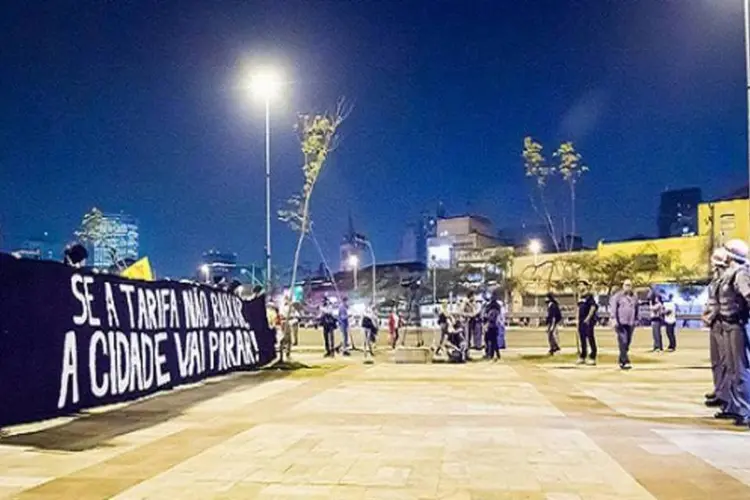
(94, 429)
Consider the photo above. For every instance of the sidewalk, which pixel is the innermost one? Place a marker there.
(527, 427)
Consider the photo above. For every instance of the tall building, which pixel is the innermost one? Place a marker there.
(678, 212)
(120, 241)
(217, 266)
(464, 232)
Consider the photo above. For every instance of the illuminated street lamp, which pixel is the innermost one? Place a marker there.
(205, 269)
(535, 248)
(266, 85)
(353, 262)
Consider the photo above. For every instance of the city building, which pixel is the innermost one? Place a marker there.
(678, 212)
(464, 232)
(217, 266)
(42, 247)
(119, 244)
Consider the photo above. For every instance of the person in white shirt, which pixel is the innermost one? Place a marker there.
(670, 321)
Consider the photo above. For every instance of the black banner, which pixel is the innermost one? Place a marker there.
(73, 339)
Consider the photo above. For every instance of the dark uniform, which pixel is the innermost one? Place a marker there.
(733, 296)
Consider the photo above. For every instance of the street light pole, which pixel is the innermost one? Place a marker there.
(354, 271)
(433, 263)
(372, 255)
(268, 192)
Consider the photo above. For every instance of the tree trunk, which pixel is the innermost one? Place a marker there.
(572, 214)
(303, 230)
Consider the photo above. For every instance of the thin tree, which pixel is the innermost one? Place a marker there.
(318, 133)
(571, 168)
(536, 167)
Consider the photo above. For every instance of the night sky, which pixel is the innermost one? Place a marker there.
(141, 107)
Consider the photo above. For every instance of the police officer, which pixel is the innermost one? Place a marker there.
(733, 298)
(719, 397)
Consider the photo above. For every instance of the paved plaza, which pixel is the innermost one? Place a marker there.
(525, 427)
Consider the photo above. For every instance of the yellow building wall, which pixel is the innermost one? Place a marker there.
(692, 252)
(731, 219)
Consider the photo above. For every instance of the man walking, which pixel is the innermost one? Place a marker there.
(624, 312)
(733, 298)
(554, 318)
(587, 309)
(717, 347)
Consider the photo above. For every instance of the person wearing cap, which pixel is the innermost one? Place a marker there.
(554, 318)
(587, 309)
(733, 297)
(717, 348)
(624, 311)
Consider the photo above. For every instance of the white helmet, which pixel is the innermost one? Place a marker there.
(719, 258)
(737, 250)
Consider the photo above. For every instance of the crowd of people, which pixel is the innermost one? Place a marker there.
(477, 324)
(624, 315)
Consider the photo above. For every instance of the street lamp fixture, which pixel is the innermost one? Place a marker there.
(265, 84)
(353, 261)
(535, 247)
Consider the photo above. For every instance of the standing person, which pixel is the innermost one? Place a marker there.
(370, 331)
(670, 322)
(494, 336)
(656, 307)
(624, 311)
(717, 346)
(734, 303)
(476, 332)
(554, 319)
(294, 319)
(468, 319)
(587, 310)
(327, 321)
(394, 322)
(343, 314)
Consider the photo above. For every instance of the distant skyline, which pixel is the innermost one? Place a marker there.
(139, 108)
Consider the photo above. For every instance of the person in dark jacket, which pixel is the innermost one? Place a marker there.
(494, 319)
(554, 319)
(587, 309)
(327, 320)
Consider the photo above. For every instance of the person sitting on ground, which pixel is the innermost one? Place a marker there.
(456, 344)
(443, 322)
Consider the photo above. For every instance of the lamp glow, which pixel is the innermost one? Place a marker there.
(535, 247)
(265, 84)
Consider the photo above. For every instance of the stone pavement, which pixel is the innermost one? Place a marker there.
(526, 427)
